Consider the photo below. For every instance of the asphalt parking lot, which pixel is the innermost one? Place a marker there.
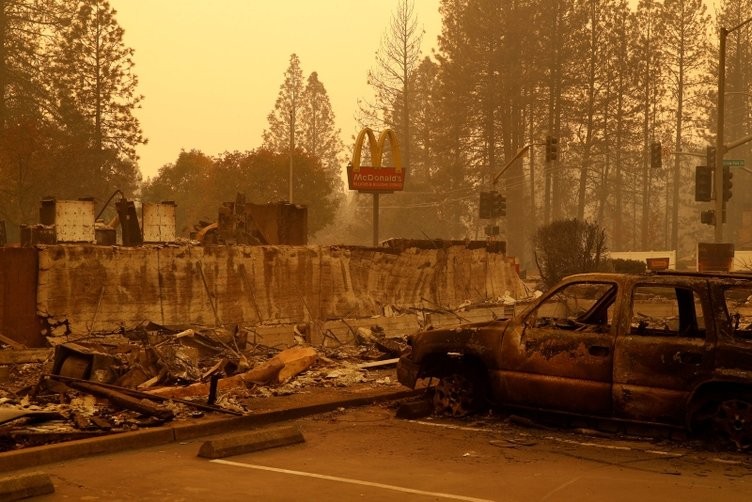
(366, 453)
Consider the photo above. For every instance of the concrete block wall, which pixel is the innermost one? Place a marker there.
(85, 288)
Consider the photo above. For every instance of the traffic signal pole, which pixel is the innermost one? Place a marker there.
(720, 148)
(519, 154)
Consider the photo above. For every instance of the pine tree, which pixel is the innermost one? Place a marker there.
(27, 134)
(321, 138)
(285, 128)
(97, 91)
(96, 74)
(392, 78)
(686, 55)
(650, 79)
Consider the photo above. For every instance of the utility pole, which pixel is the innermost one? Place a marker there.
(720, 147)
(292, 151)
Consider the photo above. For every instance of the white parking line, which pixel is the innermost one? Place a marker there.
(550, 438)
(450, 426)
(349, 480)
(587, 443)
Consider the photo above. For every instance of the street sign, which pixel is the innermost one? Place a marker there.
(733, 162)
(661, 263)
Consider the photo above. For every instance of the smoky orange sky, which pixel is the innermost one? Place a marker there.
(210, 71)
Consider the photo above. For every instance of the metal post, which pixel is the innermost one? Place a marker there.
(719, 148)
(375, 219)
(290, 194)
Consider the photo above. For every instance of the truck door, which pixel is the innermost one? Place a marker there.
(559, 355)
(664, 350)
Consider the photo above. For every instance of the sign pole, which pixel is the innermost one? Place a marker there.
(375, 220)
(376, 178)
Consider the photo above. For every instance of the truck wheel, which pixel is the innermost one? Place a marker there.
(732, 423)
(725, 421)
(457, 395)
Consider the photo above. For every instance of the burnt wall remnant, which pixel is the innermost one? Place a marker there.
(82, 289)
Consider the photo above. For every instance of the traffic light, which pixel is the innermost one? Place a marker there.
(492, 205)
(727, 185)
(499, 206)
(703, 183)
(656, 155)
(552, 149)
(485, 207)
(707, 217)
(710, 158)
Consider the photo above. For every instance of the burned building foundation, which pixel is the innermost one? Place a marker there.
(79, 289)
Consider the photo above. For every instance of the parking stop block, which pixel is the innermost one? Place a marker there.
(411, 410)
(248, 442)
(25, 486)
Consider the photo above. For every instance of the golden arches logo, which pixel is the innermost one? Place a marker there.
(376, 148)
(376, 178)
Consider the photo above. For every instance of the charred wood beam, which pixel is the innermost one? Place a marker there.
(147, 395)
(121, 399)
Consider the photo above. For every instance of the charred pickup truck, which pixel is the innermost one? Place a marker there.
(668, 348)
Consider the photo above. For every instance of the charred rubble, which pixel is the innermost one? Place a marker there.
(152, 374)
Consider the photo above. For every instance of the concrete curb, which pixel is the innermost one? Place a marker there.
(250, 441)
(24, 486)
(39, 455)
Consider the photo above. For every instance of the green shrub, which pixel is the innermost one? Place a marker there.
(566, 247)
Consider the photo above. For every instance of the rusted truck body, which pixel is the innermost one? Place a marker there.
(669, 348)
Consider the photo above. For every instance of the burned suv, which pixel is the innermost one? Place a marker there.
(669, 348)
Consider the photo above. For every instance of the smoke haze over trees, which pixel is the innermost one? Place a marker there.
(67, 95)
(608, 78)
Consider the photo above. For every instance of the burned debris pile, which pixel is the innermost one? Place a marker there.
(287, 316)
(147, 376)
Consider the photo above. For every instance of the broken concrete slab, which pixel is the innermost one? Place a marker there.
(247, 442)
(24, 486)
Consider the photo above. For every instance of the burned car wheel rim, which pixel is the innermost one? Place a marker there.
(733, 423)
(456, 395)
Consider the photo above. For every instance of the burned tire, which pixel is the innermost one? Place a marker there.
(732, 423)
(726, 422)
(458, 394)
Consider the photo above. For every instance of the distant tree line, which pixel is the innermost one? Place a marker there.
(300, 131)
(67, 96)
(605, 78)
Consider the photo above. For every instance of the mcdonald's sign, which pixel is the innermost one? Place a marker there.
(376, 178)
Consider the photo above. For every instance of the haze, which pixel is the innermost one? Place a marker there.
(210, 71)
